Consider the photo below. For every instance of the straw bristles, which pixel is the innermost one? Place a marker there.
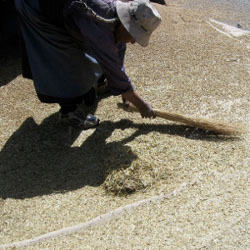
(210, 125)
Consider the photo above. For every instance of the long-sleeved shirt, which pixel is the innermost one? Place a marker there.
(100, 37)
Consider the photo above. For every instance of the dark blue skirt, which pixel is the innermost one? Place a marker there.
(61, 66)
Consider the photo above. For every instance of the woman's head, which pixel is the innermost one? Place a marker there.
(139, 18)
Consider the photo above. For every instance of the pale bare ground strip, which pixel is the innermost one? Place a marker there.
(99, 220)
(207, 242)
(139, 224)
(51, 181)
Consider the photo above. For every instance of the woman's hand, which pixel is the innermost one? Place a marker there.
(147, 110)
(144, 107)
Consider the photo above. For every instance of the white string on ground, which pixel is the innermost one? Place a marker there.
(100, 219)
(231, 29)
(221, 30)
(117, 212)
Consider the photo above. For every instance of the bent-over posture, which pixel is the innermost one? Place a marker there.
(71, 44)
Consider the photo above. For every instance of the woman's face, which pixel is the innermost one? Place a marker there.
(122, 35)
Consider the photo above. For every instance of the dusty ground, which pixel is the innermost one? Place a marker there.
(51, 179)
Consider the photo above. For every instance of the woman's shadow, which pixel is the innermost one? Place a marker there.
(40, 159)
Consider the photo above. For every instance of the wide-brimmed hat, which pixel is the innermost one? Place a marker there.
(140, 18)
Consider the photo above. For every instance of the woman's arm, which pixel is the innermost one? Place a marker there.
(144, 107)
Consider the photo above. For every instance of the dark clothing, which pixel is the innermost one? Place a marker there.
(68, 53)
(100, 37)
(53, 10)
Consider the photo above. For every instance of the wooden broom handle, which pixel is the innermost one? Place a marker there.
(216, 126)
(165, 115)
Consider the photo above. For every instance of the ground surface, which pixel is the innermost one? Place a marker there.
(52, 179)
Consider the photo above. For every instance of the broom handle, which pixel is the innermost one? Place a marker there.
(216, 126)
(167, 115)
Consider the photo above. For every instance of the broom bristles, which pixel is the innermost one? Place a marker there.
(210, 125)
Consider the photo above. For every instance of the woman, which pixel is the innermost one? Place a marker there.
(70, 45)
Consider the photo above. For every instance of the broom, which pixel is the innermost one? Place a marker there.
(210, 125)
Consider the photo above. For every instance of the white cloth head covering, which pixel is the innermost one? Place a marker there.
(140, 18)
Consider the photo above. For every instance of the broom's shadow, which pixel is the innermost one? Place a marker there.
(40, 159)
(175, 130)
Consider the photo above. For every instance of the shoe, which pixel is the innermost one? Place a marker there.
(78, 119)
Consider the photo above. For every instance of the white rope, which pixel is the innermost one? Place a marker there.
(224, 33)
(98, 220)
(108, 216)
